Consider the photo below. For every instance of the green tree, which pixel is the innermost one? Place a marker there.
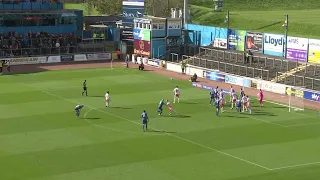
(109, 7)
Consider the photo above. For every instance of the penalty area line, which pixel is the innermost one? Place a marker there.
(166, 133)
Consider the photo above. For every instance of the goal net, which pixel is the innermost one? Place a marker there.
(296, 102)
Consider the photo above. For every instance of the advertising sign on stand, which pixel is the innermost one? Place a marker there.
(273, 44)
(297, 49)
(254, 42)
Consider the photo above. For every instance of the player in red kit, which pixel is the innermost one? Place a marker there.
(260, 97)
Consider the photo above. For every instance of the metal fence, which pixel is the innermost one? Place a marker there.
(301, 81)
(231, 68)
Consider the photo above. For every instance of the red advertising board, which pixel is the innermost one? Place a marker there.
(142, 47)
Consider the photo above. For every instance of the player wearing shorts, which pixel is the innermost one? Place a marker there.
(222, 103)
(244, 103)
(233, 99)
(85, 89)
(78, 109)
(260, 97)
(238, 105)
(161, 103)
(231, 91)
(241, 93)
(170, 108)
(108, 99)
(176, 93)
(217, 104)
(249, 105)
(212, 96)
(145, 120)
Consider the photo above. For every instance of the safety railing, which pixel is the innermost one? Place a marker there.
(297, 80)
(231, 68)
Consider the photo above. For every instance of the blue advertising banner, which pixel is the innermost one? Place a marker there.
(132, 9)
(237, 81)
(215, 76)
(236, 39)
(312, 96)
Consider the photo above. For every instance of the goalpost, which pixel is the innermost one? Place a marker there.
(296, 102)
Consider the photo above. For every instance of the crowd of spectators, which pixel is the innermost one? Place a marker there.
(42, 43)
(30, 1)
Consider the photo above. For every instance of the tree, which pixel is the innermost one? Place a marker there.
(109, 7)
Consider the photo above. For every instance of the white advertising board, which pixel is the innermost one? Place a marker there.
(272, 87)
(191, 71)
(80, 57)
(173, 67)
(25, 60)
(53, 59)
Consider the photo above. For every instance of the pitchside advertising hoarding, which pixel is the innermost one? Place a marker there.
(297, 49)
(291, 91)
(236, 39)
(312, 96)
(142, 48)
(215, 76)
(237, 81)
(273, 44)
(132, 9)
(314, 51)
(254, 41)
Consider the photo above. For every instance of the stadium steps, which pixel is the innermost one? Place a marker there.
(290, 73)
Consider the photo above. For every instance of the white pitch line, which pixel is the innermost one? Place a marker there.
(305, 124)
(169, 134)
(297, 165)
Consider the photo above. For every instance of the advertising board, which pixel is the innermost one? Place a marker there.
(99, 56)
(66, 58)
(191, 71)
(272, 87)
(220, 43)
(314, 51)
(126, 34)
(237, 81)
(154, 62)
(215, 76)
(25, 60)
(297, 49)
(142, 48)
(236, 39)
(298, 93)
(273, 44)
(80, 57)
(53, 59)
(173, 67)
(312, 96)
(254, 41)
(142, 34)
(132, 9)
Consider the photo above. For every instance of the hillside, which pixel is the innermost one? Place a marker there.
(262, 15)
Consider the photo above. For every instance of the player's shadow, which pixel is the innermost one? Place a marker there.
(157, 131)
(92, 118)
(178, 116)
(231, 116)
(97, 96)
(280, 107)
(118, 107)
(261, 113)
(188, 102)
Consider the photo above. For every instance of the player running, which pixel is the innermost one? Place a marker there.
(260, 94)
(78, 109)
(176, 93)
(108, 99)
(217, 103)
(244, 103)
(234, 99)
(212, 96)
(249, 105)
(170, 108)
(160, 110)
(85, 90)
(145, 120)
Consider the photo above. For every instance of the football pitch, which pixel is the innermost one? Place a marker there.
(41, 139)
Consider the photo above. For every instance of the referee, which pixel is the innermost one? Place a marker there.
(85, 88)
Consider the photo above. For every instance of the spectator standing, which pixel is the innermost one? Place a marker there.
(127, 60)
(183, 67)
(119, 54)
(9, 66)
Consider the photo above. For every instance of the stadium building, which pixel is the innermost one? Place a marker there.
(44, 27)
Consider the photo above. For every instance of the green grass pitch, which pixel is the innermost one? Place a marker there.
(41, 139)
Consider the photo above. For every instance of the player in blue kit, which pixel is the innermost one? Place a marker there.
(161, 103)
(78, 109)
(212, 96)
(238, 105)
(217, 103)
(145, 120)
(241, 93)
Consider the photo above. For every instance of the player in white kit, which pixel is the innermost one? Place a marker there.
(244, 103)
(231, 92)
(249, 105)
(222, 101)
(108, 99)
(233, 100)
(176, 93)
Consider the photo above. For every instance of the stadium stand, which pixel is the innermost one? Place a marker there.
(268, 68)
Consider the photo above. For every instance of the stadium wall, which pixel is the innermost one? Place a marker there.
(298, 49)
